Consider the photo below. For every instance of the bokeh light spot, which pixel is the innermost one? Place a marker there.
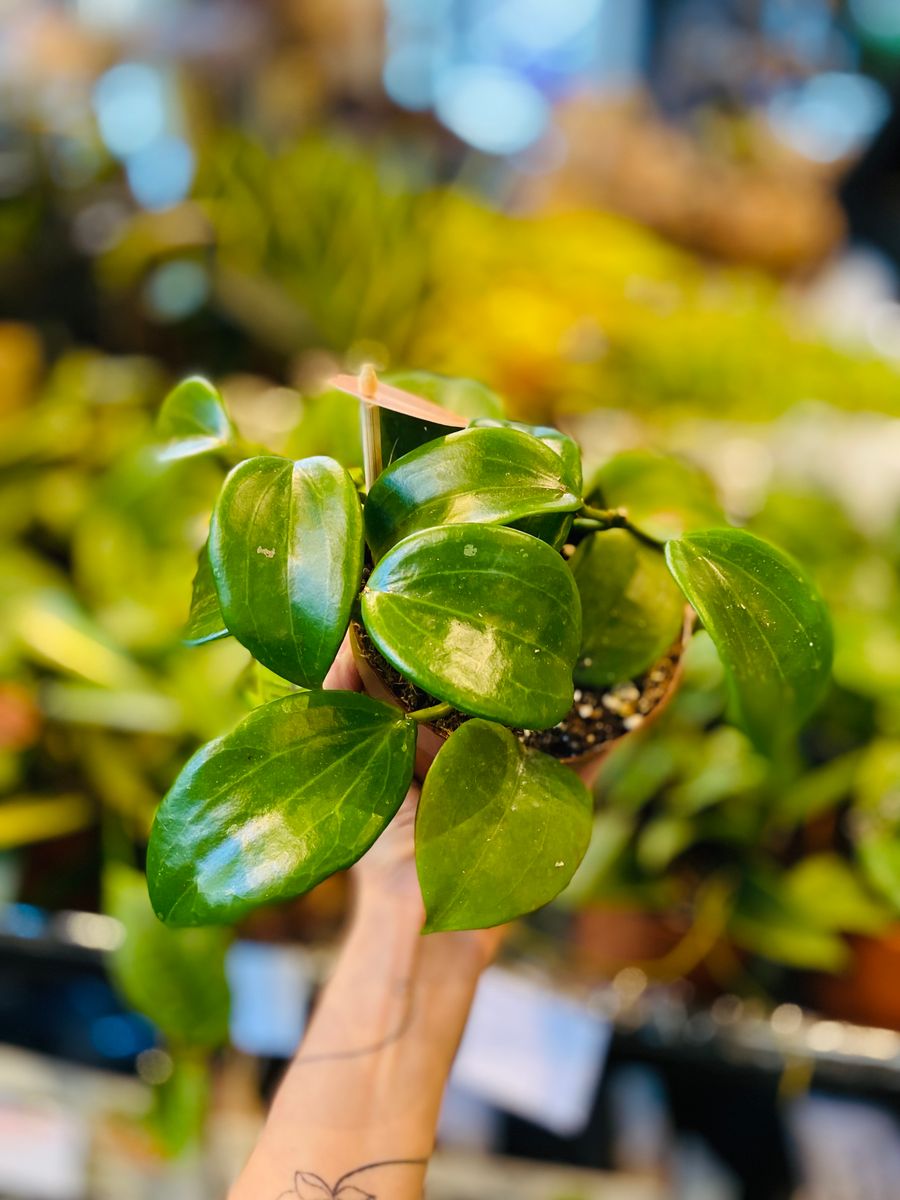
(176, 289)
(130, 104)
(161, 174)
(491, 108)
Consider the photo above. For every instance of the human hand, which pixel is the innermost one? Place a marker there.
(386, 881)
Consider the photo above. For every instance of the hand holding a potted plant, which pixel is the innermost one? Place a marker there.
(525, 620)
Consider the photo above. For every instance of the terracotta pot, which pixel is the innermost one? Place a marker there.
(605, 939)
(431, 739)
(868, 992)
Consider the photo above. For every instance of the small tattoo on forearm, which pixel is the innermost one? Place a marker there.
(308, 1186)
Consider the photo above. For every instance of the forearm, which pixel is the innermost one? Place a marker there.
(366, 1085)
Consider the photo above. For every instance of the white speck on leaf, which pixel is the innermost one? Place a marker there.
(470, 551)
(263, 550)
(559, 864)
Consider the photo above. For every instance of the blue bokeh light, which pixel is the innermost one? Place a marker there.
(161, 174)
(491, 108)
(829, 116)
(176, 289)
(130, 103)
(119, 1036)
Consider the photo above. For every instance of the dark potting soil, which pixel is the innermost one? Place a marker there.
(597, 715)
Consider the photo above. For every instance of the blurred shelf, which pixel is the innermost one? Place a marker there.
(648, 1021)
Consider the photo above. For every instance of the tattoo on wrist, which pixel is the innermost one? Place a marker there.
(308, 1186)
(404, 989)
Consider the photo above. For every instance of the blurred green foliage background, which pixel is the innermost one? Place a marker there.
(294, 255)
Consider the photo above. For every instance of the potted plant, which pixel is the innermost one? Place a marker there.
(527, 621)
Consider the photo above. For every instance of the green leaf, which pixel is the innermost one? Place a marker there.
(768, 921)
(560, 443)
(662, 839)
(830, 892)
(767, 621)
(485, 618)
(193, 420)
(286, 547)
(181, 1103)
(176, 978)
(612, 834)
(500, 829)
(486, 476)
(552, 528)
(662, 497)
(205, 622)
(464, 397)
(300, 789)
(632, 611)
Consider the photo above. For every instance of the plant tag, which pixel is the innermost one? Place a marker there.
(393, 421)
(270, 991)
(532, 1053)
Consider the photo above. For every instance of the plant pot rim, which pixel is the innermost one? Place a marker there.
(380, 689)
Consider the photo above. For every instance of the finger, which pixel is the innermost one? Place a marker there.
(343, 675)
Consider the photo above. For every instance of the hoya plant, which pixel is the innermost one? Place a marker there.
(526, 620)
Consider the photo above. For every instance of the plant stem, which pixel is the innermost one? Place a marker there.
(596, 520)
(425, 715)
(605, 518)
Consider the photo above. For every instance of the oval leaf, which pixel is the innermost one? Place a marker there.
(300, 789)
(500, 829)
(662, 497)
(552, 528)
(286, 547)
(631, 610)
(205, 622)
(557, 441)
(768, 623)
(485, 618)
(193, 419)
(487, 476)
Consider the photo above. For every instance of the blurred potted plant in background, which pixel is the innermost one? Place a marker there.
(708, 855)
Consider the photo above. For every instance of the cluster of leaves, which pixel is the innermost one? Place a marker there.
(804, 846)
(468, 596)
(98, 701)
(586, 306)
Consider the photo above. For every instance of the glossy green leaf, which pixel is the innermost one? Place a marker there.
(663, 497)
(768, 623)
(486, 476)
(300, 789)
(175, 977)
(500, 829)
(286, 547)
(557, 441)
(205, 622)
(193, 420)
(552, 528)
(483, 617)
(632, 610)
